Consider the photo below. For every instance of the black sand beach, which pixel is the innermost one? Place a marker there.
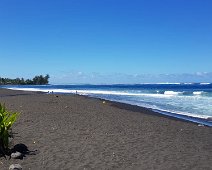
(77, 132)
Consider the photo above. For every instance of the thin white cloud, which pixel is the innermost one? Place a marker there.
(79, 77)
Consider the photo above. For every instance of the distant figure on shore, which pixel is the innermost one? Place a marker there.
(76, 92)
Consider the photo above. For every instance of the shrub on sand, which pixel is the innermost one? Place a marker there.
(6, 121)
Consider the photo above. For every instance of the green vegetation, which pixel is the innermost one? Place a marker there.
(37, 80)
(6, 121)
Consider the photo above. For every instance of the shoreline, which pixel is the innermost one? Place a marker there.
(79, 132)
(171, 115)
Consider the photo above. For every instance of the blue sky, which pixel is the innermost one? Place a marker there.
(107, 41)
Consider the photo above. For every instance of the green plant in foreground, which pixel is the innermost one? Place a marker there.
(6, 121)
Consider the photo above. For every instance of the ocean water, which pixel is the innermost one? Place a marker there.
(188, 101)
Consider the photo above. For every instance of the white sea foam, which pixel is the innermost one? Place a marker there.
(198, 92)
(172, 93)
(205, 83)
(87, 92)
(156, 108)
(188, 83)
(43, 90)
(27, 89)
(121, 93)
(168, 83)
(187, 114)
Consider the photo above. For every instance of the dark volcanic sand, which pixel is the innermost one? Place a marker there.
(77, 132)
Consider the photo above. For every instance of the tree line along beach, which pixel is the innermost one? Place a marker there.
(37, 80)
